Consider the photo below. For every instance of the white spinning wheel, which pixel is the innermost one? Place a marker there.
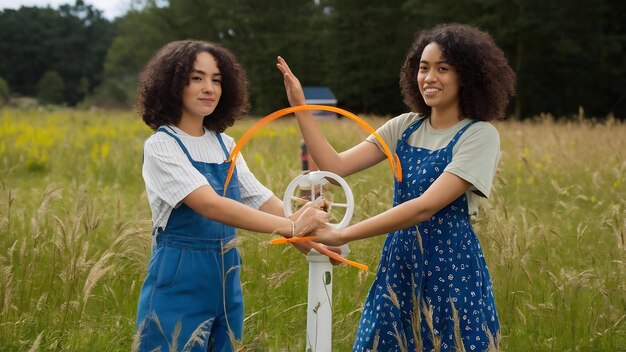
(319, 301)
(315, 181)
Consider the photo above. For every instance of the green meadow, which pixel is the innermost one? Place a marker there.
(75, 234)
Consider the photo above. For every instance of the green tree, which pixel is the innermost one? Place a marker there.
(558, 49)
(5, 93)
(285, 28)
(366, 45)
(72, 41)
(357, 47)
(50, 88)
(23, 35)
(140, 33)
(256, 31)
(83, 87)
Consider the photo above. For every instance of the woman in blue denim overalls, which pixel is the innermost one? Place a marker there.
(432, 290)
(189, 93)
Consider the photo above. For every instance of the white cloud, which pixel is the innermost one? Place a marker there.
(109, 8)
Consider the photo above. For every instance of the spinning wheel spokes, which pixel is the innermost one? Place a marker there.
(315, 181)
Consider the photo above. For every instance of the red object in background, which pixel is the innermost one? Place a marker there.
(307, 161)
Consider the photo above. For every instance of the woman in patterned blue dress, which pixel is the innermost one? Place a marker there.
(432, 290)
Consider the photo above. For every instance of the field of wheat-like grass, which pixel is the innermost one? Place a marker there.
(75, 234)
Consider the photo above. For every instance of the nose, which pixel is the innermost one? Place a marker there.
(207, 87)
(431, 76)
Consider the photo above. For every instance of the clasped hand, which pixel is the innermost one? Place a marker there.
(312, 220)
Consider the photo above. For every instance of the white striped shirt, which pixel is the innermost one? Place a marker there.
(170, 176)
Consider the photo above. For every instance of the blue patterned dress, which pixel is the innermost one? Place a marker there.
(430, 273)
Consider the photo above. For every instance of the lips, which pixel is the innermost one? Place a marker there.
(431, 91)
(207, 101)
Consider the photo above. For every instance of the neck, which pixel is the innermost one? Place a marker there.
(442, 119)
(192, 127)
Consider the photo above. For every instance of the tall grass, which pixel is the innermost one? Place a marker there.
(74, 234)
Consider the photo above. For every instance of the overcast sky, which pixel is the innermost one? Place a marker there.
(110, 8)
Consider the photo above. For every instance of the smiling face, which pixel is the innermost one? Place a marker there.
(204, 89)
(438, 81)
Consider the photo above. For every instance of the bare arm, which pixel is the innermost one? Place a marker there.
(274, 206)
(355, 159)
(442, 192)
(211, 205)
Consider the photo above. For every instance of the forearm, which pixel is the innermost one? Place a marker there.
(233, 213)
(397, 218)
(206, 202)
(325, 156)
(274, 206)
(442, 192)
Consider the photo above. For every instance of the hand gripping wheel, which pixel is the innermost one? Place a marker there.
(315, 181)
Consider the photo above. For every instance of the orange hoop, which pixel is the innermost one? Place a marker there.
(393, 158)
(394, 161)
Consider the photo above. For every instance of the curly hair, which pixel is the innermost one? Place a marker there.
(159, 90)
(486, 80)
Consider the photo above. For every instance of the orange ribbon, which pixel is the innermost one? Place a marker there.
(393, 158)
(321, 249)
(282, 240)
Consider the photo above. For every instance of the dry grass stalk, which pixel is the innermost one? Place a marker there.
(234, 243)
(392, 296)
(199, 336)
(402, 344)
(275, 280)
(175, 334)
(416, 320)
(494, 342)
(36, 343)
(134, 347)
(6, 271)
(376, 341)
(427, 310)
(458, 339)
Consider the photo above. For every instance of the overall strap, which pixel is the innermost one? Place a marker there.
(219, 138)
(412, 128)
(180, 143)
(458, 134)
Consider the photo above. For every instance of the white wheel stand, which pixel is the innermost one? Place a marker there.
(319, 319)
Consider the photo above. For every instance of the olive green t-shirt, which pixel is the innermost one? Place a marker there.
(474, 157)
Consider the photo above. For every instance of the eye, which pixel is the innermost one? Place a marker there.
(217, 81)
(443, 69)
(196, 78)
(423, 68)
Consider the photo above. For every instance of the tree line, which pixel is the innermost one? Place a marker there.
(566, 54)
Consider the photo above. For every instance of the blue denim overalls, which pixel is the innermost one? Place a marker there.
(428, 269)
(193, 280)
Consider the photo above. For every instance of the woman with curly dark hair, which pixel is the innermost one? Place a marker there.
(432, 290)
(189, 93)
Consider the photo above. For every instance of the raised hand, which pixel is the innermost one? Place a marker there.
(293, 88)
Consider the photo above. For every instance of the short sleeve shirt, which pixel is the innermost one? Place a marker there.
(170, 177)
(474, 157)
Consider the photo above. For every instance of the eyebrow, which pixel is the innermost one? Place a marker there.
(436, 63)
(200, 72)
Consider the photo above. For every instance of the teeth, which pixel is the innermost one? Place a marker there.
(431, 90)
